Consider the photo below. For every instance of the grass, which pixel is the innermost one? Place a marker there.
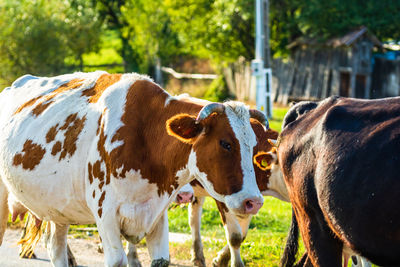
(264, 243)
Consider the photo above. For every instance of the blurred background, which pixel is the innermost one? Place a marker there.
(317, 47)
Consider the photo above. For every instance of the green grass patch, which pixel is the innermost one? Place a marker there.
(277, 116)
(265, 240)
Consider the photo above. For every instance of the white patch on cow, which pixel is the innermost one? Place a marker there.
(168, 100)
(202, 177)
(139, 211)
(239, 120)
(276, 184)
(187, 188)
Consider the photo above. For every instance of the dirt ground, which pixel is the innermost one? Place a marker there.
(85, 251)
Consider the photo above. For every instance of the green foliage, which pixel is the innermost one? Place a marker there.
(152, 35)
(37, 36)
(221, 30)
(336, 17)
(218, 90)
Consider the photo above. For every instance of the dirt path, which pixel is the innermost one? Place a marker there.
(85, 251)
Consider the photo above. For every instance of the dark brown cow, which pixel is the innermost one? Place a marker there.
(341, 164)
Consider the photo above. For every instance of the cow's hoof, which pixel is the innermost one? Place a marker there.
(134, 263)
(72, 262)
(199, 262)
(100, 248)
(160, 263)
(220, 262)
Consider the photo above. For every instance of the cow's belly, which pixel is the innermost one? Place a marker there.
(51, 193)
(139, 219)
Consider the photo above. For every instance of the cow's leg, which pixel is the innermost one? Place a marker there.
(235, 231)
(157, 243)
(133, 259)
(71, 257)
(57, 244)
(109, 231)
(3, 210)
(322, 247)
(195, 211)
(223, 257)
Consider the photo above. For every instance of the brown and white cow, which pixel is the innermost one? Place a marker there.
(115, 150)
(340, 162)
(269, 181)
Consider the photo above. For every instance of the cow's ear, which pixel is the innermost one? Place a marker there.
(263, 160)
(184, 127)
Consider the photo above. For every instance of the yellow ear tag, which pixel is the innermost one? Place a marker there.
(264, 162)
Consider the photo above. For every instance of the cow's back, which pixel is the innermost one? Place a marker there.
(345, 151)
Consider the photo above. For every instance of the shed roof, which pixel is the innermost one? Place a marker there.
(345, 40)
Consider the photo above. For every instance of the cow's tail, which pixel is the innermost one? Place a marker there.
(292, 244)
(32, 233)
(3, 210)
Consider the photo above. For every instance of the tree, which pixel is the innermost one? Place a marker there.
(326, 19)
(112, 15)
(221, 30)
(152, 34)
(37, 36)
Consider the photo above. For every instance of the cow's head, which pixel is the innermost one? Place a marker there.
(185, 194)
(222, 143)
(268, 173)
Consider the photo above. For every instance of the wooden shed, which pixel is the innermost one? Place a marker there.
(340, 66)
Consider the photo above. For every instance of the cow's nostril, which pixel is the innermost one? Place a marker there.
(179, 197)
(249, 205)
(252, 206)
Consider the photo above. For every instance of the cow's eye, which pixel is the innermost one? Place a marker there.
(225, 145)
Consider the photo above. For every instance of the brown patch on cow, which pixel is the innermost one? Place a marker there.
(51, 134)
(90, 173)
(73, 129)
(70, 119)
(40, 108)
(101, 185)
(102, 83)
(160, 168)
(235, 240)
(31, 156)
(100, 212)
(56, 148)
(27, 104)
(262, 174)
(97, 172)
(98, 125)
(47, 100)
(223, 209)
(219, 129)
(101, 199)
(94, 194)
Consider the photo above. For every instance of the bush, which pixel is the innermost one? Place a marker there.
(218, 90)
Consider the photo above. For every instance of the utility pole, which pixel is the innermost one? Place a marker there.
(261, 65)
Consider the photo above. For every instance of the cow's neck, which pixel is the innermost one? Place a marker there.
(161, 158)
